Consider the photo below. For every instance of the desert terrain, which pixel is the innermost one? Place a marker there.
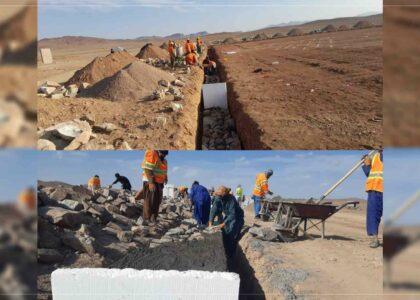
(320, 91)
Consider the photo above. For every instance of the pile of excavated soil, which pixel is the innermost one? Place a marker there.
(260, 37)
(102, 67)
(343, 28)
(135, 82)
(203, 255)
(229, 40)
(278, 35)
(151, 51)
(295, 32)
(329, 28)
(362, 24)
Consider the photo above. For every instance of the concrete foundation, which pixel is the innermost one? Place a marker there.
(130, 284)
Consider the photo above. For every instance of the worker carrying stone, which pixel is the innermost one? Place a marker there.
(182, 192)
(94, 184)
(155, 176)
(190, 54)
(125, 183)
(210, 67)
(239, 194)
(260, 190)
(201, 200)
(232, 221)
(27, 200)
(373, 169)
(172, 53)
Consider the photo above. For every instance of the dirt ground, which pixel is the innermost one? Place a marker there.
(321, 91)
(339, 266)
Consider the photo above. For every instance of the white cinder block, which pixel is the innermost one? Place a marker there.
(130, 284)
(215, 95)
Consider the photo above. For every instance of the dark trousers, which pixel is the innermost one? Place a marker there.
(152, 201)
(374, 212)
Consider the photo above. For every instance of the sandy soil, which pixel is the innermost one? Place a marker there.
(402, 63)
(319, 91)
(339, 266)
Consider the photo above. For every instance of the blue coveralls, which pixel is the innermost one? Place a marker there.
(257, 204)
(374, 207)
(233, 218)
(202, 202)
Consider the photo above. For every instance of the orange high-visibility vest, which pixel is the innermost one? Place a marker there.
(171, 49)
(28, 199)
(159, 168)
(375, 180)
(261, 185)
(189, 47)
(190, 59)
(94, 182)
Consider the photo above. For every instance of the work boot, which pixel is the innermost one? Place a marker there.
(257, 217)
(374, 243)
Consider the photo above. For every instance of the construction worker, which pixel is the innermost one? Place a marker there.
(260, 190)
(373, 168)
(189, 47)
(27, 200)
(94, 184)
(191, 59)
(201, 199)
(232, 221)
(209, 67)
(239, 194)
(199, 45)
(172, 54)
(155, 176)
(125, 183)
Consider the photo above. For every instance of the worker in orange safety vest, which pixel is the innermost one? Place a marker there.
(94, 183)
(27, 199)
(260, 190)
(171, 51)
(373, 169)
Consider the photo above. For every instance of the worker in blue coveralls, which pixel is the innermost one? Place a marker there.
(233, 219)
(201, 200)
(373, 168)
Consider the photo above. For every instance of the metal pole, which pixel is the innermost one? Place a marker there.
(407, 204)
(351, 171)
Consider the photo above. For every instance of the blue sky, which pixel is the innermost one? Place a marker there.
(298, 174)
(134, 18)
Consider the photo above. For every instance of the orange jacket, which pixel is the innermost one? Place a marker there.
(191, 59)
(158, 167)
(261, 185)
(28, 199)
(189, 47)
(171, 49)
(375, 180)
(94, 182)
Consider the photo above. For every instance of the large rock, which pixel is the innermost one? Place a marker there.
(99, 211)
(80, 243)
(130, 210)
(49, 256)
(62, 217)
(48, 235)
(72, 204)
(264, 233)
(60, 194)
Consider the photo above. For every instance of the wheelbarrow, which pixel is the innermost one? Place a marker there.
(291, 215)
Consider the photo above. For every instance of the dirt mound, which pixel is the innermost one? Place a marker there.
(329, 28)
(151, 51)
(295, 32)
(229, 40)
(136, 81)
(343, 28)
(362, 24)
(278, 35)
(260, 37)
(190, 255)
(102, 67)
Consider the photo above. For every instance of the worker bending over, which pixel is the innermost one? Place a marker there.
(232, 221)
(209, 67)
(260, 190)
(190, 54)
(201, 199)
(94, 184)
(125, 183)
(155, 175)
(172, 54)
(373, 168)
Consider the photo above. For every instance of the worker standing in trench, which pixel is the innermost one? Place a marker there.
(155, 176)
(373, 168)
(260, 190)
(225, 205)
(94, 184)
(202, 201)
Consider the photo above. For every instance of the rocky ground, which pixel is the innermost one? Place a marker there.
(17, 254)
(79, 229)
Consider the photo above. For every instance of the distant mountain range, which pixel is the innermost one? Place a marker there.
(175, 36)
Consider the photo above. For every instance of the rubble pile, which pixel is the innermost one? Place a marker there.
(54, 90)
(219, 131)
(17, 253)
(79, 229)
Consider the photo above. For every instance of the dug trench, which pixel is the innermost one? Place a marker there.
(79, 230)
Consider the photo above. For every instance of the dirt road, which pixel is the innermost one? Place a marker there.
(339, 266)
(321, 91)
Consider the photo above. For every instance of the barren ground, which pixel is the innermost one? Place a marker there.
(321, 91)
(340, 266)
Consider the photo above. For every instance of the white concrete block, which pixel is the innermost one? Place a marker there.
(215, 95)
(130, 284)
(46, 56)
